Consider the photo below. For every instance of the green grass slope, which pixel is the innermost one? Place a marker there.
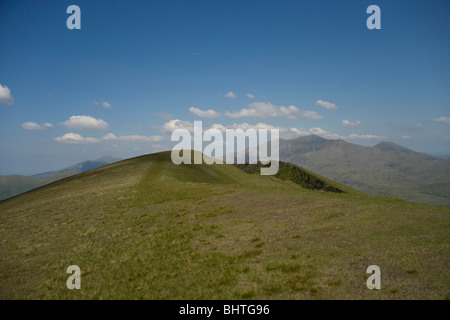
(145, 228)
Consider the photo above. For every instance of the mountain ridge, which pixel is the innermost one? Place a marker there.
(384, 169)
(388, 145)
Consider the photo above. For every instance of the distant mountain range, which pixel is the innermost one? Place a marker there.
(385, 169)
(12, 185)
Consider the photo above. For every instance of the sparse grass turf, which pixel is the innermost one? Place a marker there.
(147, 229)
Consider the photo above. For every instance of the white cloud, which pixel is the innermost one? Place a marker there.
(35, 126)
(5, 96)
(324, 133)
(325, 104)
(285, 132)
(330, 135)
(445, 120)
(219, 126)
(171, 125)
(204, 114)
(31, 126)
(178, 124)
(85, 122)
(249, 95)
(406, 137)
(245, 126)
(310, 115)
(75, 138)
(300, 132)
(418, 126)
(104, 104)
(347, 123)
(317, 132)
(230, 94)
(131, 138)
(264, 110)
(363, 136)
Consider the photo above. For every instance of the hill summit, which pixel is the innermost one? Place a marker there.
(391, 146)
(144, 228)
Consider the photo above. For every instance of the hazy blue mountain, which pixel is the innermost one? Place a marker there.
(80, 167)
(385, 169)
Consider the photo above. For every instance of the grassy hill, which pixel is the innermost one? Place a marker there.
(385, 169)
(145, 228)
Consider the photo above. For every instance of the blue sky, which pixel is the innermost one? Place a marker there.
(138, 69)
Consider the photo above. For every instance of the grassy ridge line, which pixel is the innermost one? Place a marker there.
(147, 229)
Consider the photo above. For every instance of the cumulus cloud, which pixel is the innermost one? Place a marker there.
(264, 110)
(131, 138)
(104, 104)
(204, 113)
(5, 96)
(325, 104)
(35, 126)
(173, 124)
(74, 138)
(418, 126)
(310, 115)
(31, 126)
(331, 135)
(317, 132)
(363, 136)
(301, 132)
(85, 122)
(249, 95)
(406, 137)
(445, 120)
(347, 123)
(230, 94)
(178, 124)
(285, 132)
(244, 126)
